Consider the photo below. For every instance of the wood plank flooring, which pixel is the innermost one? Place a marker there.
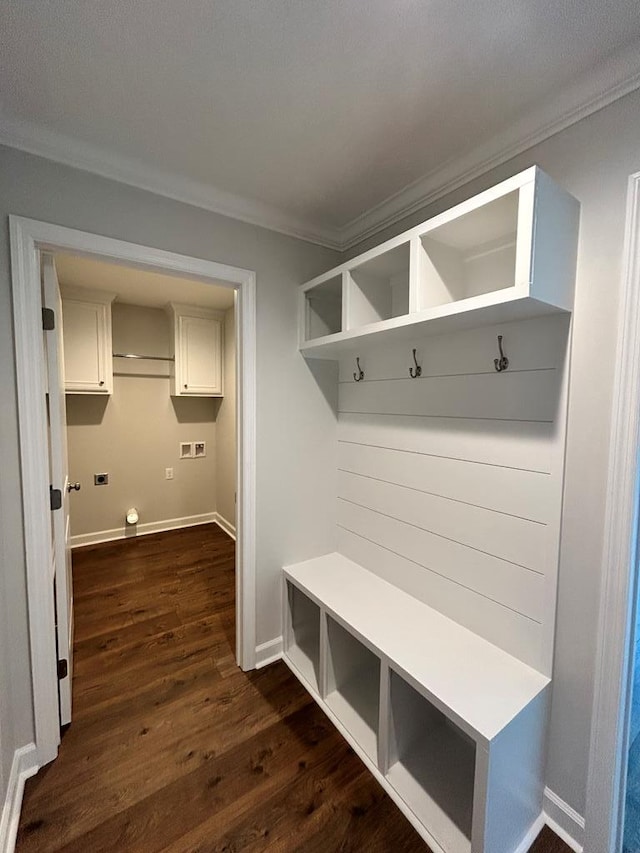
(175, 749)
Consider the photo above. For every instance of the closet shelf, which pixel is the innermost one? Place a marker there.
(504, 255)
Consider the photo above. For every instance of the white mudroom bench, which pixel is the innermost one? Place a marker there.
(450, 725)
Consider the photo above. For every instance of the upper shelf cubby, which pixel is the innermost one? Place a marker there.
(506, 254)
(323, 309)
(378, 289)
(474, 253)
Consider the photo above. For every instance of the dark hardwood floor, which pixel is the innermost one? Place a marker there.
(175, 749)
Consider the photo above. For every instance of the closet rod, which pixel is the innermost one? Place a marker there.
(145, 357)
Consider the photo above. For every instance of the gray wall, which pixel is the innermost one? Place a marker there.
(593, 160)
(289, 494)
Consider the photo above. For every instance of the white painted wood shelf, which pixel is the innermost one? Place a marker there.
(451, 725)
(506, 254)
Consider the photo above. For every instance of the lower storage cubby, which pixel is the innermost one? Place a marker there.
(431, 766)
(303, 646)
(465, 769)
(353, 686)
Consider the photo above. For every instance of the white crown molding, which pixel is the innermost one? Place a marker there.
(617, 76)
(606, 83)
(43, 142)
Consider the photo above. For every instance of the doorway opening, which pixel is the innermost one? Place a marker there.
(29, 240)
(149, 439)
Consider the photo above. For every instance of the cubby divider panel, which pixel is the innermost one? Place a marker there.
(323, 309)
(471, 255)
(304, 635)
(431, 766)
(353, 686)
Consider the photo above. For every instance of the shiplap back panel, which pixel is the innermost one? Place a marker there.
(450, 485)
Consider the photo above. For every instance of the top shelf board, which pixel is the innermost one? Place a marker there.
(506, 254)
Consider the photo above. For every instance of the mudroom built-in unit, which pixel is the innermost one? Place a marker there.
(149, 375)
(427, 634)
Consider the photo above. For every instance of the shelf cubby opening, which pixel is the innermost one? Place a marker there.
(379, 288)
(323, 309)
(353, 686)
(304, 637)
(471, 255)
(431, 766)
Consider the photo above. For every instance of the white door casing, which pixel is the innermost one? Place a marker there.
(614, 657)
(58, 463)
(28, 238)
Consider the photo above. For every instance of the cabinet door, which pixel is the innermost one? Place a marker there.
(87, 355)
(200, 356)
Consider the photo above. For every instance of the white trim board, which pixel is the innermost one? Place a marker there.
(269, 652)
(131, 531)
(563, 820)
(617, 76)
(226, 525)
(531, 836)
(23, 766)
(614, 655)
(28, 237)
(43, 142)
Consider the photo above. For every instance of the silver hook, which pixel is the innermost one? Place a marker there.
(359, 376)
(501, 363)
(418, 371)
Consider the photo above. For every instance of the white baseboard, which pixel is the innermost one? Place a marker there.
(530, 837)
(563, 820)
(134, 530)
(269, 652)
(228, 528)
(23, 766)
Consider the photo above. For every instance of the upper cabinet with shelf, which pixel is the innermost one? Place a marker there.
(197, 349)
(507, 254)
(86, 321)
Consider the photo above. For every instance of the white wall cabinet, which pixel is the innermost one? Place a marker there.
(197, 350)
(86, 322)
(506, 254)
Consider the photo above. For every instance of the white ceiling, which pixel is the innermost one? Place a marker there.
(140, 287)
(306, 115)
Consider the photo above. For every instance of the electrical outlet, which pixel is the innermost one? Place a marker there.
(168, 473)
(100, 479)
